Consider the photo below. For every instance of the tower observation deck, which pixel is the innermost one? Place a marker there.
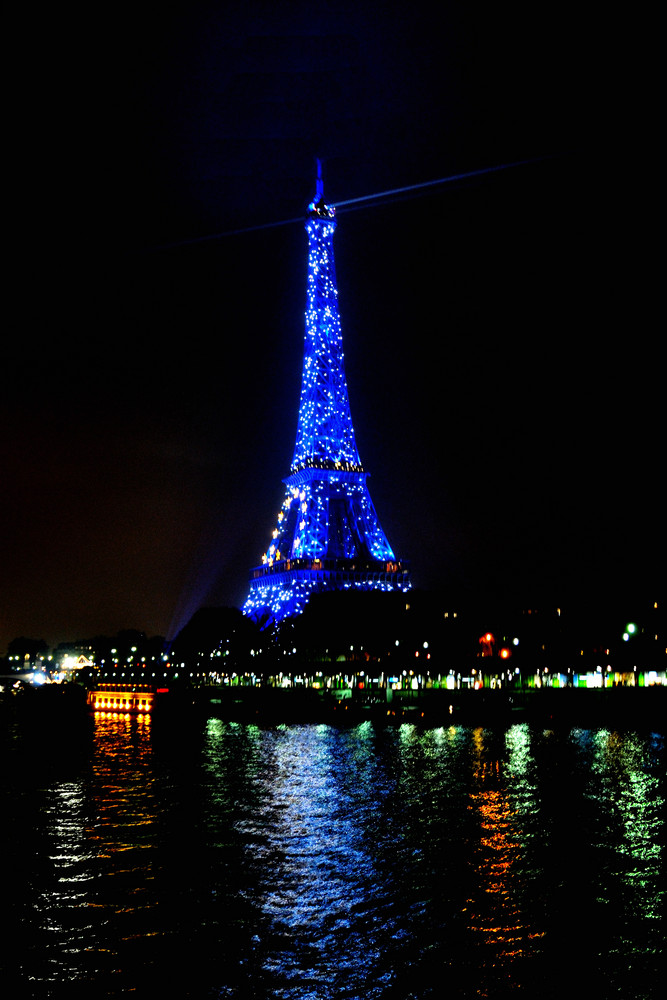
(327, 534)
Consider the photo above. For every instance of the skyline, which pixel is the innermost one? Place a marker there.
(150, 396)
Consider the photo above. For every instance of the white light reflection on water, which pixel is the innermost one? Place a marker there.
(320, 897)
(58, 911)
(96, 858)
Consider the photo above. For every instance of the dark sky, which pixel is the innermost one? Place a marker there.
(501, 355)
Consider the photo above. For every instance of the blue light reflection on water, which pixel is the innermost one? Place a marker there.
(354, 863)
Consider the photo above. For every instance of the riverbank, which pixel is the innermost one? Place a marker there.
(620, 707)
(614, 707)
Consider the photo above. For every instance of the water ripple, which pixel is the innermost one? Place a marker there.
(360, 863)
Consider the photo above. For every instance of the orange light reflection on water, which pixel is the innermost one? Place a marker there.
(495, 914)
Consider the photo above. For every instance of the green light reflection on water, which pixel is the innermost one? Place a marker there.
(631, 813)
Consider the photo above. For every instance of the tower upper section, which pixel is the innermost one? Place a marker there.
(325, 434)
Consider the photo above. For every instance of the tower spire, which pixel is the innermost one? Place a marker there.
(327, 534)
(319, 193)
(318, 207)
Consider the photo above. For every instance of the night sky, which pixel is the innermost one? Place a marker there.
(501, 349)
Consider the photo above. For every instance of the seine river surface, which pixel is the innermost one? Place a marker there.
(212, 859)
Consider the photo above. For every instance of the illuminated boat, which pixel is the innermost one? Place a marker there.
(137, 699)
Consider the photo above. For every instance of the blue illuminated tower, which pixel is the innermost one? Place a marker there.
(327, 535)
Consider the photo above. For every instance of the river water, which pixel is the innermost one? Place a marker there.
(214, 859)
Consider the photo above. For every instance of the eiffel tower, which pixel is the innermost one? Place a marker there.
(327, 534)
